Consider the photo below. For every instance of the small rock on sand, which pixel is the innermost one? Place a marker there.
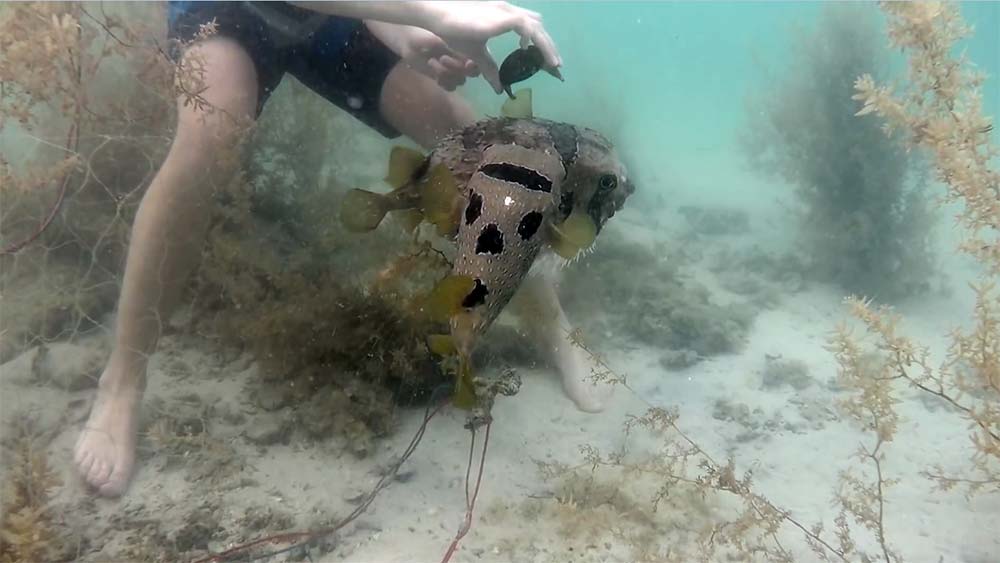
(71, 366)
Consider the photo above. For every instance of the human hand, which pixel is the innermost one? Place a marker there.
(467, 26)
(426, 53)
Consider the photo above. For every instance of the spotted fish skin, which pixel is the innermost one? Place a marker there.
(585, 154)
(512, 194)
(515, 178)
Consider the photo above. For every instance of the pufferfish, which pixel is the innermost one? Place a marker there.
(506, 190)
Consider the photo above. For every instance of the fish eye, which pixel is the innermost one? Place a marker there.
(608, 182)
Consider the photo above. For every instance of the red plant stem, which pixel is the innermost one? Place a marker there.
(71, 140)
(72, 145)
(470, 502)
(313, 534)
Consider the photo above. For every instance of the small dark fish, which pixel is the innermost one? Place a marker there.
(520, 65)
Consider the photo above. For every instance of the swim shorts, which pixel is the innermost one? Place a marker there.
(338, 58)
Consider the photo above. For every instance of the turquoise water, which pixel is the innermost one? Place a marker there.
(669, 80)
(267, 409)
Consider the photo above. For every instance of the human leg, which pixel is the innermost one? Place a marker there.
(165, 244)
(420, 108)
(541, 313)
(352, 68)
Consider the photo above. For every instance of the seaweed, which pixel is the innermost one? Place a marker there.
(334, 324)
(663, 308)
(865, 218)
(937, 109)
(602, 513)
(181, 436)
(30, 528)
(75, 159)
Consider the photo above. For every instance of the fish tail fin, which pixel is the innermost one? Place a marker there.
(403, 165)
(362, 210)
(410, 219)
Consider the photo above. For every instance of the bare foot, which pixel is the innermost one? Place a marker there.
(105, 451)
(578, 370)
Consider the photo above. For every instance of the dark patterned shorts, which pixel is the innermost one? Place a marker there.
(338, 58)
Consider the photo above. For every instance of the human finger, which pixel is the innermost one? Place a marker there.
(453, 64)
(447, 79)
(452, 78)
(470, 68)
(438, 71)
(453, 81)
(487, 66)
(450, 82)
(435, 48)
(422, 66)
(545, 44)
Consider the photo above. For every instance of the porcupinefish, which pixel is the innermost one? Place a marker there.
(505, 189)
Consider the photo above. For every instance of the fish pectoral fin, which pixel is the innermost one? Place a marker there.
(362, 210)
(403, 164)
(437, 197)
(445, 300)
(464, 395)
(465, 388)
(442, 345)
(519, 106)
(574, 234)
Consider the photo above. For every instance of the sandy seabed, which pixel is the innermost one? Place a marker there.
(237, 475)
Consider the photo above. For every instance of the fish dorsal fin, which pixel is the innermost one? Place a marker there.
(520, 106)
(403, 163)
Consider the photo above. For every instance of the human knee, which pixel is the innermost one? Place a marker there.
(218, 97)
(210, 138)
(206, 151)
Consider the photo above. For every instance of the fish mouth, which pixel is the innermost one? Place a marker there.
(629, 188)
(563, 263)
